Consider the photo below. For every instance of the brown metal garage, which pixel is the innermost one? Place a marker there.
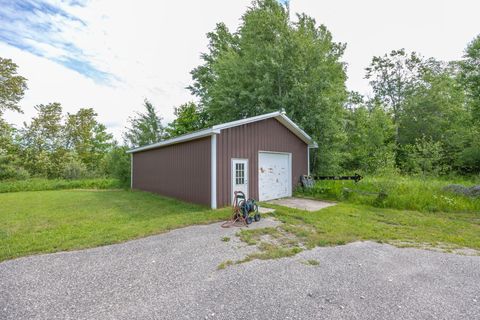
(264, 156)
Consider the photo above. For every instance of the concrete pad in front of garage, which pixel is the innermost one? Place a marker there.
(265, 210)
(302, 204)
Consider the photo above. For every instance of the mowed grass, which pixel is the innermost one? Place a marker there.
(50, 221)
(345, 223)
(398, 192)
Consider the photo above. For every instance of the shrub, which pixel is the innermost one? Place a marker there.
(9, 168)
(12, 172)
(116, 164)
(398, 192)
(74, 169)
(424, 157)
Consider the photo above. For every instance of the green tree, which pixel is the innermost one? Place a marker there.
(425, 158)
(188, 118)
(117, 164)
(43, 141)
(270, 64)
(370, 140)
(468, 160)
(470, 76)
(436, 110)
(12, 86)
(10, 162)
(393, 77)
(74, 168)
(87, 137)
(145, 128)
(6, 137)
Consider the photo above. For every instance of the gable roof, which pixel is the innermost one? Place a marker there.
(280, 116)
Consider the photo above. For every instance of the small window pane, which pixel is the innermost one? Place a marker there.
(239, 173)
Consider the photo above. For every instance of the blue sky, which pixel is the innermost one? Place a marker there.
(37, 27)
(111, 54)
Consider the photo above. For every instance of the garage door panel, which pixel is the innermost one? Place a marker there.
(274, 175)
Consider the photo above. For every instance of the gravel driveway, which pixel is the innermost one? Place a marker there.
(175, 276)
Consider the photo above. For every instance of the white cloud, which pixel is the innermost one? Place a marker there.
(149, 47)
(434, 28)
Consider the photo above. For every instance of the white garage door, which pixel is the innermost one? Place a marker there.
(274, 175)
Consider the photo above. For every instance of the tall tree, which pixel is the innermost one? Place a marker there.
(188, 118)
(470, 75)
(87, 137)
(117, 164)
(270, 64)
(469, 158)
(145, 128)
(12, 86)
(10, 162)
(43, 141)
(393, 77)
(435, 110)
(370, 139)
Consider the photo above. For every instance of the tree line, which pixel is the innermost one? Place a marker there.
(423, 116)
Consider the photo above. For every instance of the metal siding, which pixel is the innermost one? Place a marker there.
(246, 141)
(180, 171)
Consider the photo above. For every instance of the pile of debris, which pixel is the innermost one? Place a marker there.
(473, 191)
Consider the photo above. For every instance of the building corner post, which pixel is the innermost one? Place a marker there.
(308, 160)
(213, 161)
(131, 171)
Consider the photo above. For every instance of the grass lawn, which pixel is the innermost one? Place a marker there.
(50, 221)
(347, 222)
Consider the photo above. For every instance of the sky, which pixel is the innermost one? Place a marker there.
(111, 55)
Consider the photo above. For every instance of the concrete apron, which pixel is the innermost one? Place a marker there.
(302, 204)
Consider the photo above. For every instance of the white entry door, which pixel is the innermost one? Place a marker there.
(239, 176)
(274, 175)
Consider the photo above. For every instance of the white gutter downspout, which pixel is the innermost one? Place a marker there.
(131, 171)
(308, 160)
(213, 182)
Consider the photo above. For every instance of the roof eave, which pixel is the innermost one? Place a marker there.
(179, 139)
(297, 130)
(280, 116)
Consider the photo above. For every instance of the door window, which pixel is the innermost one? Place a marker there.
(239, 173)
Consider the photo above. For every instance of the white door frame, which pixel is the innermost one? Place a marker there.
(246, 173)
(289, 170)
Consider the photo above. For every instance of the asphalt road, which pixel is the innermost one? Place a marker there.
(175, 276)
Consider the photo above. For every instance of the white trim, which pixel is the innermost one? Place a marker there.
(246, 120)
(290, 191)
(268, 151)
(213, 178)
(280, 116)
(182, 138)
(292, 126)
(246, 176)
(308, 160)
(131, 171)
